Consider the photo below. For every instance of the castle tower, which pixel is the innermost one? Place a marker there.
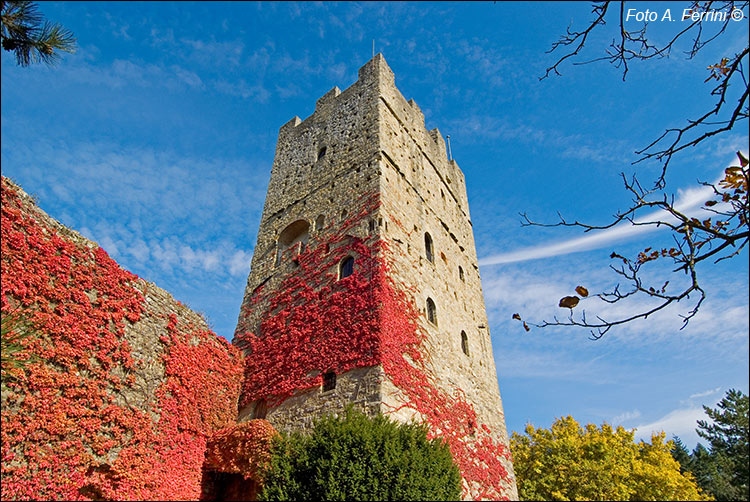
(364, 286)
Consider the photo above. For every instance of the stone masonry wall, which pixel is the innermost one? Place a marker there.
(323, 191)
(424, 192)
(304, 187)
(365, 167)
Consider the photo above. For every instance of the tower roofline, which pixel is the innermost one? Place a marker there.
(374, 72)
(376, 65)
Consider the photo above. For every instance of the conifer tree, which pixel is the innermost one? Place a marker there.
(728, 463)
(30, 37)
(682, 455)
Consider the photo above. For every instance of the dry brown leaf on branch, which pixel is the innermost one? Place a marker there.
(569, 302)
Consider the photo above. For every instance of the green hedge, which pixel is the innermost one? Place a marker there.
(361, 458)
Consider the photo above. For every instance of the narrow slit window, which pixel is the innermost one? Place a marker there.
(431, 312)
(465, 343)
(428, 247)
(460, 273)
(347, 267)
(329, 381)
(321, 153)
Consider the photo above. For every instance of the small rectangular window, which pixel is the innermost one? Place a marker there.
(329, 381)
(261, 409)
(347, 267)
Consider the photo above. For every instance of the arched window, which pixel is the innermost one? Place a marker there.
(319, 222)
(460, 273)
(321, 153)
(346, 268)
(465, 343)
(431, 312)
(296, 233)
(428, 247)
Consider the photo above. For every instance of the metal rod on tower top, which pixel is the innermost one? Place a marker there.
(450, 155)
(373, 47)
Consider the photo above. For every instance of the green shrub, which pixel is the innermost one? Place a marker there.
(361, 458)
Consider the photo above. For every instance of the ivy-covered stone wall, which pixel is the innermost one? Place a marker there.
(109, 401)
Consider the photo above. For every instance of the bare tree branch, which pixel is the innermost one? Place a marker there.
(695, 240)
(634, 45)
(726, 229)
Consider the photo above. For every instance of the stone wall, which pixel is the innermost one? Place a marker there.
(322, 167)
(365, 166)
(360, 387)
(306, 185)
(424, 193)
(111, 402)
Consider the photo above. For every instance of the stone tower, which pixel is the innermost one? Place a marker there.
(364, 286)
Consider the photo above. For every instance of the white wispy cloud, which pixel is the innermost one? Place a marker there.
(709, 392)
(242, 89)
(239, 262)
(155, 212)
(170, 255)
(203, 64)
(213, 53)
(483, 127)
(120, 73)
(490, 65)
(534, 291)
(680, 422)
(688, 202)
(625, 417)
(540, 364)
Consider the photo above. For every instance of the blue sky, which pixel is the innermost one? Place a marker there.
(157, 137)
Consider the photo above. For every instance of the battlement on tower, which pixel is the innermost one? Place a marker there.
(377, 79)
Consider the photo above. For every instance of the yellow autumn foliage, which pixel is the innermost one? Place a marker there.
(570, 462)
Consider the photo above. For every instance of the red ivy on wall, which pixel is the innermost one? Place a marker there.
(243, 448)
(68, 432)
(314, 323)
